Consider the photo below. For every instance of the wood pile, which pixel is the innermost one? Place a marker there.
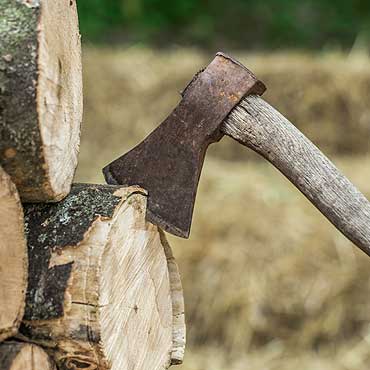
(85, 281)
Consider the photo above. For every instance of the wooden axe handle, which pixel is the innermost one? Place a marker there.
(257, 125)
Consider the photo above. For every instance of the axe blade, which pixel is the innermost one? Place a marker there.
(169, 161)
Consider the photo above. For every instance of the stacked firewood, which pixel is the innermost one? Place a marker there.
(85, 281)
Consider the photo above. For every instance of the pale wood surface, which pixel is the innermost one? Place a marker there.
(13, 258)
(257, 125)
(24, 356)
(178, 305)
(100, 293)
(40, 96)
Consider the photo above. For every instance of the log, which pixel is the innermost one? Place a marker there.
(24, 356)
(101, 291)
(40, 96)
(13, 258)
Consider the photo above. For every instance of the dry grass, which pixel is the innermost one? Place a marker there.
(269, 283)
(128, 93)
(268, 279)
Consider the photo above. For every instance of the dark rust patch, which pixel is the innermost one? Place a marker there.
(169, 161)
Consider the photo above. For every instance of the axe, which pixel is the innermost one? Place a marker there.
(224, 99)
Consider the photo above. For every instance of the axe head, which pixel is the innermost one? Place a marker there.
(169, 161)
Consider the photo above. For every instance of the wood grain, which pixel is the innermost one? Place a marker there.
(40, 96)
(257, 125)
(13, 258)
(103, 292)
(24, 356)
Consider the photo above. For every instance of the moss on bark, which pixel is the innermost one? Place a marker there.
(21, 152)
(51, 227)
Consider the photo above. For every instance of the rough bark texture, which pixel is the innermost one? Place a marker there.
(101, 291)
(24, 356)
(40, 95)
(13, 258)
(52, 227)
(257, 125)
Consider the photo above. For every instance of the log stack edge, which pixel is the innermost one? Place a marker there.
(85, 281)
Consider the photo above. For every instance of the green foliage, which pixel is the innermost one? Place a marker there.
(236, 23)
(97, 16)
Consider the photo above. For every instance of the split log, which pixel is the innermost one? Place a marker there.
(101, 291)
(24, 356)
(40, 96)
(13, 258)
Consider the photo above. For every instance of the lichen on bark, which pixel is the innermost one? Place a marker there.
(21, 152)
(51, 227)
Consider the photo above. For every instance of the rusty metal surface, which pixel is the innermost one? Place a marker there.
(169, 161)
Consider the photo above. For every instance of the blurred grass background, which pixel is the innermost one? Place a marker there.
(269, 283)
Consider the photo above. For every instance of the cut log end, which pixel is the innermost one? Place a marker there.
(59, 92)
(40, 96)
(133, 323)
(115, 302)
(13, 258)
(24, 356)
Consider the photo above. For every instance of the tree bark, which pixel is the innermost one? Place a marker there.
(40, 96)
(101, 291)
(13, 258)
(24, 356)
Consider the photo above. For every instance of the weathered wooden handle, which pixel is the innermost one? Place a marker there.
(257, 125)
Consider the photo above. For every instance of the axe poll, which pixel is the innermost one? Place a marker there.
(224, 98)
